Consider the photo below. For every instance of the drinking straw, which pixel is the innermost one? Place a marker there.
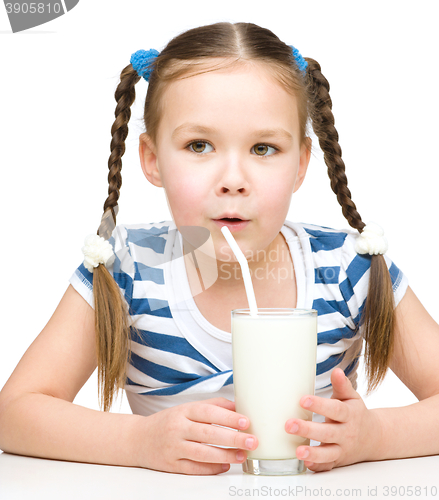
(244, 269)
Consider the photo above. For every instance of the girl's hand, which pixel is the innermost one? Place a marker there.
(177, 439)
(349, 434)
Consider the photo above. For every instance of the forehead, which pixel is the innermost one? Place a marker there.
(244, 94)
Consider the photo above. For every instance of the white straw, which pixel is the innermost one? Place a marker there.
(244, 268)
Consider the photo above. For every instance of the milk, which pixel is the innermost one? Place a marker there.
(274, 365)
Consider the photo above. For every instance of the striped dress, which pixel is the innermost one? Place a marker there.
(177, 356)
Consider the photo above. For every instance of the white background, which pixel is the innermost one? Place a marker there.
(57, 107)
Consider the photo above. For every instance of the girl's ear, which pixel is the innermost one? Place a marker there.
(148, 160)
(305, 156)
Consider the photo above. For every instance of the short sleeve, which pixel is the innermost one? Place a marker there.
(354, 277)
(82, 282)
(122, 269)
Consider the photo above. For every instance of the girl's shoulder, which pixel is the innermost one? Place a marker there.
(329, 247)
(137, 248)
(140, 234)
(324, 241)
(333, 256)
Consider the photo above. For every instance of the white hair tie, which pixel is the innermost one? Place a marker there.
(96, 251)
(371, 240)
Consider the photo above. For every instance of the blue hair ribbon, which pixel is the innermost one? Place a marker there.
(142, 61)
(300, 61)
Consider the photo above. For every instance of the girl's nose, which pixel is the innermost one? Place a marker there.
(226, 190)
(234, 178)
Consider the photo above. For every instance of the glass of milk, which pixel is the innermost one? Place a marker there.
(274, 365)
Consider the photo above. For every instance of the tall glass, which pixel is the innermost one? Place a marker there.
(274, 365)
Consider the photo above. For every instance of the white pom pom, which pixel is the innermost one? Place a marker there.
(371, 240)
(96, 251)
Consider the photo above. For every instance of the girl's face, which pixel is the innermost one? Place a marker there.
(228, 145)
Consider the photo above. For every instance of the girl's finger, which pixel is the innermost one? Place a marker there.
(220, 436)
(323, 432)
(341, 386)
(319, 467)
(200, 468)
(322, 454)
(213, 413)
(331, 408)
(198, 452)
(223, 402)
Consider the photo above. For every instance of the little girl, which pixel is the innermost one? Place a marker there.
(226, 117)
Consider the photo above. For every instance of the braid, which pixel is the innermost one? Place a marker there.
(111, 315)
(323, 125)
(125, 95)
(377, 318)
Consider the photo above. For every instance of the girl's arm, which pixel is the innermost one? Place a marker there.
(38, 417)
(351, 432)
(413, 430)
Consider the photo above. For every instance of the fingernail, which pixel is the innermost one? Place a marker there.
(305, 454)
(242, 422)
(225, 467)
(307, 403)
(240, 456)
(294, 428)
(249, 442)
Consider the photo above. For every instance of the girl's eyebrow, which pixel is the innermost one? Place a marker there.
(200, 129)
(192, 127)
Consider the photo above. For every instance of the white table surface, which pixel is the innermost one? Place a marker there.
(26, 478)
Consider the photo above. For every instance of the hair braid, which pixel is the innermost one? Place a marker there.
(377, 318)
(111, 315)
(323, 125)
(125, 95)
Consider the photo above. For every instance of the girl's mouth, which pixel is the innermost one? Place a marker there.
(234, 224)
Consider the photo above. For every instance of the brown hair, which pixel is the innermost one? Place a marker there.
(200, 50)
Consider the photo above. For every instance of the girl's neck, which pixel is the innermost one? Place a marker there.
(205, 272)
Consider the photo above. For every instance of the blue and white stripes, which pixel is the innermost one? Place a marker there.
(176, 355)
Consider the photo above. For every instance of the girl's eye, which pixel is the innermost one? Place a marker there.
(199, 147)
(263, 150)
(202, 147)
